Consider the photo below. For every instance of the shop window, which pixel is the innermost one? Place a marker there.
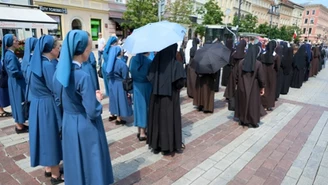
(9, 31)
(95, 28)
(76, 24)
(56, 32)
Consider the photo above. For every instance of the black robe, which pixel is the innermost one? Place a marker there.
(287, 70)
(167, 77)
(299, 67)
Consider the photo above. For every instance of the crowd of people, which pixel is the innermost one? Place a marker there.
(55, 88)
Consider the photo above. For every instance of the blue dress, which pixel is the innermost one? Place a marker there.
(85, 148)
(142, 88)
(119, 104)
(105, 77)
(44, 118)
(91, 68)
(16, 86)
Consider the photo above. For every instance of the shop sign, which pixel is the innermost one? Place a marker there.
(53, 9)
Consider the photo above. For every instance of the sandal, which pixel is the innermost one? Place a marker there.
(112, 118)
(5, 114)
(49, 174)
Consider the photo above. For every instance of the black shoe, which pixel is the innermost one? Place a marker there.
(55, 181)
(138, 135)
(112, 118)
(142, 138)
(47, 174)
(122, 122)
(21, 131)
(269, 109)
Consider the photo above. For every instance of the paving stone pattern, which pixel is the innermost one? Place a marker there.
(289, 147)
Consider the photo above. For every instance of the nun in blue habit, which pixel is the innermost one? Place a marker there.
(16, 82)
(4, 95)
(111, 42)
(85, 148)
(90, 67)
(139, 68)
(28, 51)
(117, 71)
(44, 118)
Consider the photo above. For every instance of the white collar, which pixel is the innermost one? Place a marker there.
(45, 57)
(77, 63)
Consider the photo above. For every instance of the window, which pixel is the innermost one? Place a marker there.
(310, 30)
(307, 12)
(313, 12)
(306, 20)
(95, 28)
(304, 30)
(119, 1)
(56, 32)
(311, 21)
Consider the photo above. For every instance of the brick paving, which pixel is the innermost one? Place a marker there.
(289, 147)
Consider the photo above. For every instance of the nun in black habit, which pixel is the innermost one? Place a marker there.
(167, 77)
(299, 67)
(287, 69)
(191, 74)
(227, 69)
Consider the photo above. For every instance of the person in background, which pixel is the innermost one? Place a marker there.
(120, 104)
(28, 52)
(4, 95)
(139, 69)
(101, 47)
(85, 148)
(45, 115)
(16, 81)
(112, 41)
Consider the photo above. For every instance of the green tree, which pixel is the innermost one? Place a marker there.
(179, 11)
(263, 28)
(212, 13)
(235, 20)
(140, 12)
(248, 23)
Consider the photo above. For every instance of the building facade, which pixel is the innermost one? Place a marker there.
(315, 23)
(116, 10)
(89, 15)
(285, 13)
(233, 6)
(265, 12)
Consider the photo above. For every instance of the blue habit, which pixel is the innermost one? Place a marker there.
(44, 118)
(4, 97)
(86, 154)
(142, 88)
(90, 67)
(16, 86)
(118, 101)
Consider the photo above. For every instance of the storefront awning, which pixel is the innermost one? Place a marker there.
(25, 18)
(118, 20)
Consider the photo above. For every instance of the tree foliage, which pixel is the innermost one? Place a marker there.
(248, 23)
(140, 12)
(211, 12)
(180, 11)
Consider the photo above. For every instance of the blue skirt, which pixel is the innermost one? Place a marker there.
(4, 97)
(86, 154)
(45, 143)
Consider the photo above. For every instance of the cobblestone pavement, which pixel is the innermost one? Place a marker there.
(289, 147)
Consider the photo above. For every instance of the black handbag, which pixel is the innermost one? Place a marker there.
(100, 72)
(128, 84)
(3, 78)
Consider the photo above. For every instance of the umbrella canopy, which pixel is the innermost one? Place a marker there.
(154, 37)
(211, 58)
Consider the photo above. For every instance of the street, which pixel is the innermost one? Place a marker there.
(289, 147)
